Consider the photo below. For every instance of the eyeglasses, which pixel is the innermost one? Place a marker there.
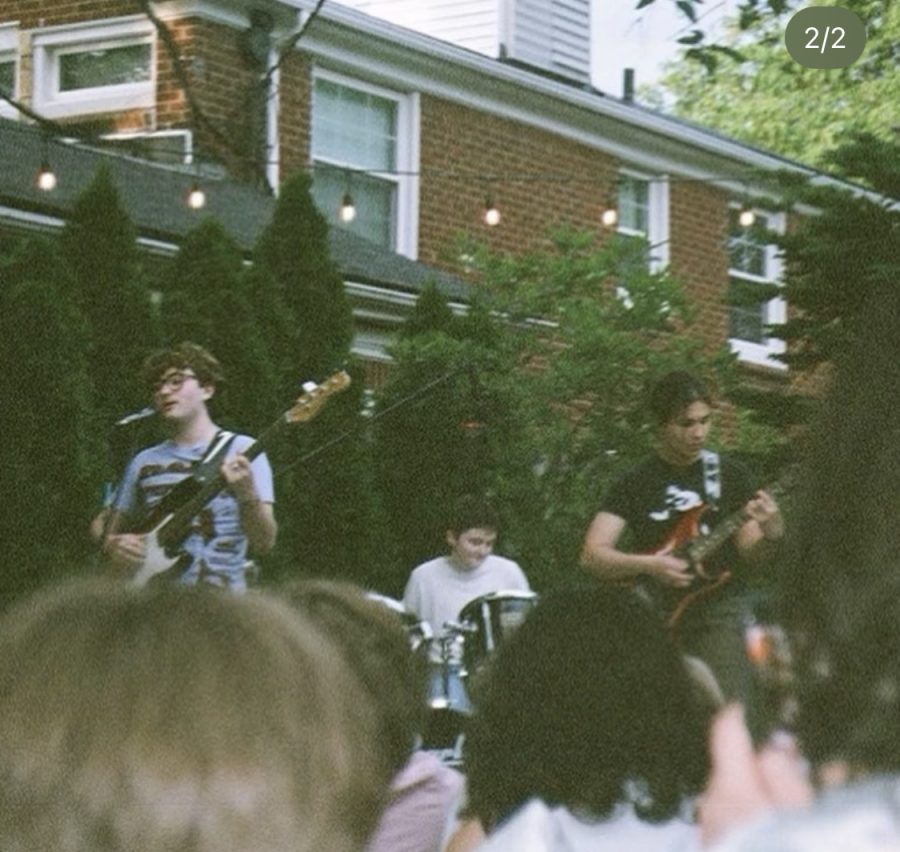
(172, 381)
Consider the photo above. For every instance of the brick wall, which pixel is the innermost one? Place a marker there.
(474, 146)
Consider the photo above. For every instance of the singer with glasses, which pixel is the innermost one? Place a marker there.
(237, 523)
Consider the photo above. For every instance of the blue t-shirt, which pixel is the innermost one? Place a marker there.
(216, 544)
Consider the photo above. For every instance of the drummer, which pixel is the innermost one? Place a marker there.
(437, 590)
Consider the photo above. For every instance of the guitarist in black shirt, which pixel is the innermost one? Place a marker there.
(236, 522)
(671, 507)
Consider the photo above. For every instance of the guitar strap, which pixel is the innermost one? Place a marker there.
(208, 467)
(712, 480)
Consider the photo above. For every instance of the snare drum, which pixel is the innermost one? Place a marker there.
(490, 619)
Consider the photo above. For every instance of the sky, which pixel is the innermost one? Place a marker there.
(643, 40)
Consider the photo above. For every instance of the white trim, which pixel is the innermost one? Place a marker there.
(775, 309)
(9, 50)
(273, 113)
(50, 43)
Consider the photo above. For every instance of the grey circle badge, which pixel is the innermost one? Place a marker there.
(825, 37)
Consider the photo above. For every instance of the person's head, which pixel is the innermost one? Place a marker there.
(586, 705)
(181, 379)
(681, 412)
(841, 572)
(179, 720)
(375, 644)
(471, 531)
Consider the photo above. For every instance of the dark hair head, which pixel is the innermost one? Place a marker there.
(180, 719)
(376, 646)
(586, 702)
(674, 392)
(184, 356)
(472, 512)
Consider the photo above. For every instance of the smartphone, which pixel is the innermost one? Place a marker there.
(772, 704)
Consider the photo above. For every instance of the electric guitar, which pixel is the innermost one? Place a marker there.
(686, 541)
(172, 519)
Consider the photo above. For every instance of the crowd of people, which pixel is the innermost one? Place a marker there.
(620, 711)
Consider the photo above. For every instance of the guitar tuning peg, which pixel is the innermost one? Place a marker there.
(309, 386)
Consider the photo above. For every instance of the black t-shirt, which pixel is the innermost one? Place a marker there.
(654, 496)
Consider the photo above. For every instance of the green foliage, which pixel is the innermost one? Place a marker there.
(207, 303)
(760, 95)
(51, 455)
(568, 340)
(99, 250)
(294, 252)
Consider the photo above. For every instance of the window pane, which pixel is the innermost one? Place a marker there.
(8, 78)
(747, 246)
(374, 200)
(111, 67)
(747, 315)
(634, 204)
(354, 127)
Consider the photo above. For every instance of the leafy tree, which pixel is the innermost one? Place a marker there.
(100, 251)
(51, 453)
(207, 303)
(563, 348)
(760, 95)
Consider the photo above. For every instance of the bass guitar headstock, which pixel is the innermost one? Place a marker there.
(314, 397)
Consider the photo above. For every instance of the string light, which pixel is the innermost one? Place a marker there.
(746, 216)
(348, 208)
(46, 177)
(609, 217)
(196, 197)
(491, 213)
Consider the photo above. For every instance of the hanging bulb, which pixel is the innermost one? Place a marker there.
(609, 218)
(491, 213)
(746, 217)
(348, 208)
(46, 177)
(196, 198)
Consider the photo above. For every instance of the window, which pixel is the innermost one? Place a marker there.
(754, 269)
(361, 146)
(8, 68)
(89, 68)
(643, 205)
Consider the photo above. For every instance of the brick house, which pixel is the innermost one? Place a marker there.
(419, 126)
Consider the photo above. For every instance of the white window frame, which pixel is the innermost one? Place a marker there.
(775, 310)
(51, 43)
(405, 177)
(9, 50)
(657, 234)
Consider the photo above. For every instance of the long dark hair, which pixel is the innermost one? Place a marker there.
(588, 704)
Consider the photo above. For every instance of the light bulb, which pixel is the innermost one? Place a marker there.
(491, 214)
(610, 217)
(746, 217)
(348, 209)
(46, 178)
(196, 197)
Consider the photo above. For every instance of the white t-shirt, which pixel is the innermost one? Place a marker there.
(437, 590)
(538, 828)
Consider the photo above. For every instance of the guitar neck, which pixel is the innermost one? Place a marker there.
(702, 547)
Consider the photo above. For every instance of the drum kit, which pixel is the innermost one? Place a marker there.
(458, 654)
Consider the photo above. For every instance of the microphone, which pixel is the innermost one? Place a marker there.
(143, 414)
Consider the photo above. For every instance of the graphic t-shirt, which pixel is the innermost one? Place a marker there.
(216, 545)
(654, 496)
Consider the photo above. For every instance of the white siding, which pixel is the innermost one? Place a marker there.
(549, 34)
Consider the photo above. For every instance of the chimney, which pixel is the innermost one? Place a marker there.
(628, 85)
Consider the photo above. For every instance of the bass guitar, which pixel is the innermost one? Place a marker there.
(173, 517)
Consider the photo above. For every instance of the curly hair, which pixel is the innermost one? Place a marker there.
(184, 356)
(588, 704)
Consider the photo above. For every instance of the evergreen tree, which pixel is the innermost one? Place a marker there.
(205, 302)
(52, 452)
(327, 506)
(100, 251)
